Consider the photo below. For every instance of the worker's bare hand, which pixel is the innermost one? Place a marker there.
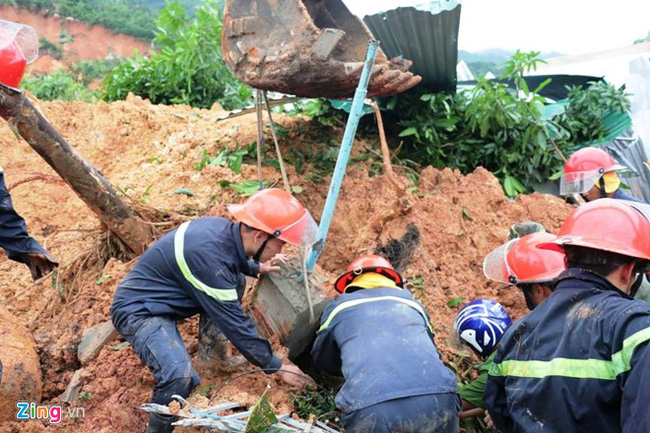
(273, 264)
(292, 375)
(39, 265)
(488, 422)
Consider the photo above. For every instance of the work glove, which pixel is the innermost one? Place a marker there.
(40, 264)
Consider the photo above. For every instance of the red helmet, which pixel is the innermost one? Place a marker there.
(18, 47)
(519, 261)
(583, 169)
(278, 213)
(368, 263)
(617, 226)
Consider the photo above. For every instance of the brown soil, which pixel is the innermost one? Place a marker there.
(90, 42)
(148, 152)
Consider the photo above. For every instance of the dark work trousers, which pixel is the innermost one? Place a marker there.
(159, 345)
(421, 414)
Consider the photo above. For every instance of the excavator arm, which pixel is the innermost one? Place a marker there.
(308, 48)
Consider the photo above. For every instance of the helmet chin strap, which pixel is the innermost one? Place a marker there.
(260, 250)
(603, 193)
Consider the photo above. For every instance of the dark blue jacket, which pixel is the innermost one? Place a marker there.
(14, 238)
(579, 362)
(380, 340)
(195, 268)
(618, 194)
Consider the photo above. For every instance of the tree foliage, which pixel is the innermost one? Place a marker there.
(121, 16)
(188, 67)
(503, 130)
(59, 85)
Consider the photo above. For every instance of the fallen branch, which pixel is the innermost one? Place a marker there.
(388, 168)
(26, 121)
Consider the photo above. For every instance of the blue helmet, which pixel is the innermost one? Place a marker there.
(481, 324)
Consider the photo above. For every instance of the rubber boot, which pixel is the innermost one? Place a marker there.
(214, 355)
(160, 423)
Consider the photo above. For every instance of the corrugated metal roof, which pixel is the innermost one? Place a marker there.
(429, 39)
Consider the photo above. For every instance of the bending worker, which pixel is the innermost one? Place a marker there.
(579, 362)
(197, 268)
(15, 240)
(520, 263)
(479, 325)
(380, 340)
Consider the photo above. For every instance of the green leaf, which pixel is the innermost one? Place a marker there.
(185, 191)
(455, 302)
(120, 346)
(296, 189)
(466, 214)
(261, 416)
(103, 279)
(247, 188)
(408, 132)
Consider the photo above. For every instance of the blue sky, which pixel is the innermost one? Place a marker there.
(566, 26)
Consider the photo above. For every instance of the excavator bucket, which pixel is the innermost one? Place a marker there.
(308, 48)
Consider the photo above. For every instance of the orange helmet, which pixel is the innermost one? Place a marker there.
(280, 214)
(18, 47)
(368, 263)
(617, 226)
(584, 168)
(519, 261)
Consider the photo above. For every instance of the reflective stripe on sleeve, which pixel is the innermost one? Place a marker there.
(575, 368)
(354, 303)
(179, 248)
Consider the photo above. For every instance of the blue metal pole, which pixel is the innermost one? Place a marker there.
(344, 153)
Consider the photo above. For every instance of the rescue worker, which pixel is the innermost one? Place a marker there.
(520, 263)
(15, 240)
(479, 325)
(580, 361)
(197, 268)
(592, 173)
(380, 340)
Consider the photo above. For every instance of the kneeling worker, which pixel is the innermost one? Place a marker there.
(197, 269)
(380, 340)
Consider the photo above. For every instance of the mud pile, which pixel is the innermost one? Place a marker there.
(149, 152)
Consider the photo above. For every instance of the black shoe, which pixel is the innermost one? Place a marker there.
(160, 423)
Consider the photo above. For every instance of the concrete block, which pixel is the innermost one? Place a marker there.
(93, 340)
(327, 43)
(280, 308)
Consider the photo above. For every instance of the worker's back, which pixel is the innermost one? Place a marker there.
(386, 348)
(567, 365)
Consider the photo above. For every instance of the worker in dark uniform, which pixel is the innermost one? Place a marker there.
(580, 361)
(15, 240)
(520, 263)
(380, 340)
(198, 268)
(593, 173)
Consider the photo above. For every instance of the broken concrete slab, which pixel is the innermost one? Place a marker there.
(280, 307)
(93, 340)
(74, 387)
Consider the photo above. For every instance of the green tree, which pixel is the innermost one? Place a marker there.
(188, 67)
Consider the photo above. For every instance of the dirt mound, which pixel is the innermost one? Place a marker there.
(149, 152)
(20, 373)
